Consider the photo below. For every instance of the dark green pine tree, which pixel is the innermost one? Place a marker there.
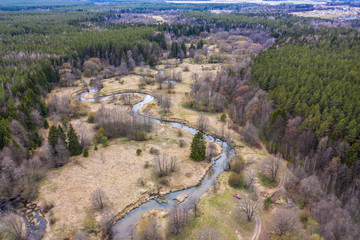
(174, 49)
(61, 133)
(74, 145)
(183, 47)
(198, 147)
(200, 44)
(53, 135)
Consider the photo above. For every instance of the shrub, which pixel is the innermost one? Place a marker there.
(91, 117)
(138, 151)
(140, 135)
(236, 180)
(95, 148)
(142, 85)
(267, 203)
(147, 164)
(182, 143)
(86, 153)
(99, 135)
(104, 141)
(238, 164)
(304, 216)
(46, 124)
(223, 117)
(154, 151)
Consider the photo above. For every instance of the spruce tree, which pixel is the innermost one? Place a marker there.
(74, 145)
(183, 47)
(61, 133)
(198, 147)
(53, 135)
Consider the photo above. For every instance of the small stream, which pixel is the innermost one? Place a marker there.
(124, 227)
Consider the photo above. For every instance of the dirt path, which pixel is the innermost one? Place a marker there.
(257, 230)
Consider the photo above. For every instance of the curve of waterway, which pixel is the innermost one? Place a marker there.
(124, 227)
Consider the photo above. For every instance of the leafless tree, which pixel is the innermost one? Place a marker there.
(248, 207)
(123, 69)
(151, 231)
(81, 236)
(270, 167)
(250, 135)
(208, 233)
(178, 217)
(62, 153)
(310, 187)
(99, 199)
(117, 122)
(173, 163)
(249, 180)
(202, 122)
(161, 165)
(211, 151)
(106, 222)
(36, 167)
(170, 86)
(284, 221)
(195, 206)
(15, 226)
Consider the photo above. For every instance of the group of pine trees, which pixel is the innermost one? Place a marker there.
(70, 139)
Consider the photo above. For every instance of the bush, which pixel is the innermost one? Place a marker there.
(99, 135)
(46, 124)
(147, 164)
(154, 151)
(238, 164)
(138, 151)
(267, 203)
(223, 117)
(104, 141)
(182, 143)
(140, 135)
(91, 117)
(86, 153)
(304, 216)
(236, 180)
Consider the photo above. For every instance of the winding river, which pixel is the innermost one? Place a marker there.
(124, 227)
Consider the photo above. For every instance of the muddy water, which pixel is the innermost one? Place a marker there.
(124, 227)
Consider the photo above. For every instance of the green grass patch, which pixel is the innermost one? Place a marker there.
(266, 182)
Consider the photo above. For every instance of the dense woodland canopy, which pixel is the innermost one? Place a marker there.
(302, 93)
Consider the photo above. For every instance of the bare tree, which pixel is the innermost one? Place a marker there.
(310, 187)
(99, 199)
(211, 151)
(106, 222)
(284, 221)
(249, 180)
(170, 86)
(62, 153)
(123, 69)
(248, 207)
(178, 217)
(208, 233)
(15, 226)
(151, 231)
(250, 135)
(202, 122)
(162, 166)
(81, 236)
(173, 163)
(270, 167)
